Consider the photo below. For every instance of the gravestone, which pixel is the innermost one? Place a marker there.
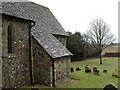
(104, 71)
(94, 68)
(96, 72)
(116, 75)
(87, 69)
(110, 87)
(78, 69)
(72, 70)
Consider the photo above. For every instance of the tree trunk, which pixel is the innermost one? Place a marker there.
(100, 53)
(100, 59)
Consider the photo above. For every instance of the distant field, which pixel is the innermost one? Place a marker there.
(111, 49)
(90, 80)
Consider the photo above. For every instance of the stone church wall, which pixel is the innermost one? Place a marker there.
(42, 65)
(62, 65)
(0, 52)
(62, 70)
(62, 39)
(15, 66)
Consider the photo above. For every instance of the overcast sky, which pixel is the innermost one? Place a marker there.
(75, 15)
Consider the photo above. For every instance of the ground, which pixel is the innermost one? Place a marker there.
(80, 79)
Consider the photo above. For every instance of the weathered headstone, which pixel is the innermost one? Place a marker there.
(72, 70)
(116, 75)
(104, 71)
(110, 87)
(94, 68)
(78, 69)
(96, 72)
(87, 69)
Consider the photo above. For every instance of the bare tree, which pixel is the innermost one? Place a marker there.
(100, 35)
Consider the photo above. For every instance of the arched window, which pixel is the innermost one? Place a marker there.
(10, 38)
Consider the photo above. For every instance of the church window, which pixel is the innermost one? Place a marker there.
(10, 39)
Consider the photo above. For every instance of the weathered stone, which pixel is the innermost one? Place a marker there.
(0, 51)
(96, 72)
(94, 68)
(87, 69)
(110, 87)
(42, 65)
(14, 65)
(62, 39)
(62, 70)
(104, 71)
(116, 75)
(78, 69)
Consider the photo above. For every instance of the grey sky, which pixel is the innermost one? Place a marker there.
(75, 15)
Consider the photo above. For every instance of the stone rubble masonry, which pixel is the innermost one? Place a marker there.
(42, 65)
(62, 39)
(62, 65)
(62, 70)
(0, 51)
(15, 67)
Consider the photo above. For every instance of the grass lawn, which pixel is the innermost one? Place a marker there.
(90, 80)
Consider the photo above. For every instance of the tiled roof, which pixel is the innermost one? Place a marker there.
(45, 25)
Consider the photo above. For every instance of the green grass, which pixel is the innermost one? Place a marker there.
(90, 80)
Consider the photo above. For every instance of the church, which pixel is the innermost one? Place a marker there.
(32, 46)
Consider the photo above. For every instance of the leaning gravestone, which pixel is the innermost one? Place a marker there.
(78, 69)
(116, 75)
(110, 87)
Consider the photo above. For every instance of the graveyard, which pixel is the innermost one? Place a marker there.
(108, 73)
